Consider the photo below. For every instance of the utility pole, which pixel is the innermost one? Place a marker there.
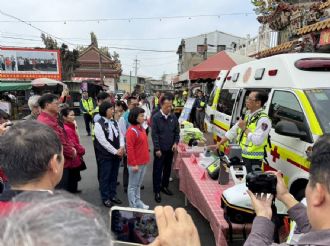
(205, 48)
(136, 68)
(100, 67)
(130, 81)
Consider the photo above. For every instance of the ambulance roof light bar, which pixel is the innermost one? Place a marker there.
(313, 64)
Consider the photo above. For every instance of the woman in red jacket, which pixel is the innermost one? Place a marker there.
(74, 165)
(137, 156)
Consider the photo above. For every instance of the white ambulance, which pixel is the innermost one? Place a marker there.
(298, 105)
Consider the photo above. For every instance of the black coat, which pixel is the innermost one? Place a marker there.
(165, 132)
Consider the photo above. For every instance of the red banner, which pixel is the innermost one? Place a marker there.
(325, 37)
(25, 63)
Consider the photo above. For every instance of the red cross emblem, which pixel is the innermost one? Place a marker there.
(275, 154)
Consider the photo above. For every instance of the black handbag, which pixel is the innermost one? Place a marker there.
(82, 166)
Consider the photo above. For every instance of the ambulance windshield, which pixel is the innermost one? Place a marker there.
(320, 100)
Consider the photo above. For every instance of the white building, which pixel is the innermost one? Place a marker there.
(194, 50)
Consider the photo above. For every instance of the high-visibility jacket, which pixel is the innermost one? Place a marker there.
(156, 101)
(249, 150)
(88, 105)
(178, 102)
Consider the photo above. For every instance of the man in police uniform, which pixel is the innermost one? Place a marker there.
(87, 106)
(251, 133)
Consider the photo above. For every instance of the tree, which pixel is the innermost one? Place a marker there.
(94, 40)
(49, 42)
(69, 58)
(69, 61)
(115, 57)
(105, 51)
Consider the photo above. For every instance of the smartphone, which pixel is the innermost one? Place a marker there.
(133, 226)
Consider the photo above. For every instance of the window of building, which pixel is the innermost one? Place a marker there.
(285, 106)
(221, 48)
(227, 100)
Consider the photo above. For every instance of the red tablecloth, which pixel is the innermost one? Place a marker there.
(205, 194)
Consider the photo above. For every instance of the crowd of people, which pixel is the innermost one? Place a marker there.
(34, 213)
(32, 207)
(119, 131)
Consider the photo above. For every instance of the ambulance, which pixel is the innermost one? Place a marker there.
(213, 101)
(298, 106)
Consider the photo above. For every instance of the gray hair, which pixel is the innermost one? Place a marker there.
(52, 220)
(33, 101)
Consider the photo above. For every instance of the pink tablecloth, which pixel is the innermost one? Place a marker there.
(184, 153)
(205, 194)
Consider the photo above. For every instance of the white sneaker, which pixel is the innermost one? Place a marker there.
(170, 179)
(143, 206)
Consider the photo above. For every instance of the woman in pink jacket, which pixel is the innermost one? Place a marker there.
(74, 165)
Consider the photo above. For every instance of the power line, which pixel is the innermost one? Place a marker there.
(112, 47)
(27, 39)
(99, 39)
(129, 19)
(37, 28)
(145, 50)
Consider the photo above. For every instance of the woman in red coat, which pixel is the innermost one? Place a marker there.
(137, 156)
(76, 164)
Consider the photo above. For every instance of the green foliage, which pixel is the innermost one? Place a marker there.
(94, 40)
(69, 59)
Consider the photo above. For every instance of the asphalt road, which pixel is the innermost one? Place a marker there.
(90, 191)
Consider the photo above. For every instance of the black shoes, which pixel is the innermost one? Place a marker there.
(142, 187)
(158, 199)
(107, 203)
(167, 191)
(116, 200)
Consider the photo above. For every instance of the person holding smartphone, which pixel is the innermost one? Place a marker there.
(137, 156)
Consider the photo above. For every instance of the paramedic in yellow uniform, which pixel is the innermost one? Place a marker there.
(251, 133)
(87, 107)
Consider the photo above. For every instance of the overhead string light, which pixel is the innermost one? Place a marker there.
(130, 19)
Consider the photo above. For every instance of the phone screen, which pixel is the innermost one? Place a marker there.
(133, 227)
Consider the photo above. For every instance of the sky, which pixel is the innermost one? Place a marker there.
(157, 33)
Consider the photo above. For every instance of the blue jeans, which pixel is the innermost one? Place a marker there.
(135, 180)
(108, 178)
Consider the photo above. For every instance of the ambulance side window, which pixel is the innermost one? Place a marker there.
(226, 101)
(285, 106)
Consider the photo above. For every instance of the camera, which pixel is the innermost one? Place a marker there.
(259, 182)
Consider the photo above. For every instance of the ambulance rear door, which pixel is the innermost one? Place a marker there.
(224, 111)
(213, 100)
